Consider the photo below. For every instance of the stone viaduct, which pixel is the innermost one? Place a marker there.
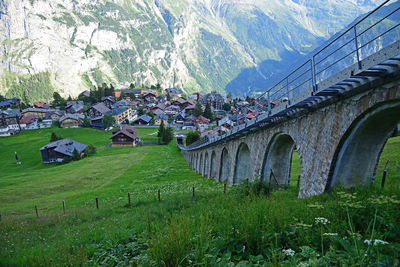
(339, 133)
(337, 143)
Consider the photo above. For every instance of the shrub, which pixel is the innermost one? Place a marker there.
(192, 137)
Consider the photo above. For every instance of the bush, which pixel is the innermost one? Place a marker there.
(54, 137)
(192, 137)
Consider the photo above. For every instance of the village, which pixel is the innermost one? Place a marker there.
(206, 114)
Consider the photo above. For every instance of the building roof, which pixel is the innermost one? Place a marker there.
(122, 103)
(72, 116)
(27, 119)
(150, 92)
(85, 93)
(57, 112)
(162, 116)
(100, 107)
(145, 118)
(110, 98)
(11, 113)
(158, 112)
(117, 111)
(125, 130)
(39, 104)
(65, 146)
(202, 119)
(35, 110)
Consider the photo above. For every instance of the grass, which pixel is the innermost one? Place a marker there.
(214, 229)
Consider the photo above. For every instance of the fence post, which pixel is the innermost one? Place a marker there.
(193, 192)
(225, 188)
(159, 195)
(97, 202)
(63, 202)
(129, 199)
(383, 179)
(37, 213)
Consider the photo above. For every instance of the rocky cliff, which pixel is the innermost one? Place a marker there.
(72, 45)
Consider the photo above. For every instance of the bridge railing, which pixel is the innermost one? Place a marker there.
(364, 38)
(367, 36)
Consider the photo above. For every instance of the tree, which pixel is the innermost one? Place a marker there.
(2, 98)
(168, 135)
(208, 113)
(76, 155)
(192, 137)
(161, 131)
(229, 96)
(227, 106)
(132, 86)
(121, 96)
(89, 150)
(108, 121)
(132, 96)
(168, 96)
(86, 122)
(197, 109)
(150, 113)
(140, 111)
(54, 137)
(58, 100)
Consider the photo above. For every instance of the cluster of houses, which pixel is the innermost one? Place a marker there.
(134, 107)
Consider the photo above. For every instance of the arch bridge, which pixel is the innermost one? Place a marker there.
(339, 109)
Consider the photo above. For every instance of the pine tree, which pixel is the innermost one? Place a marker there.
(54, 137)
(197, 109)
(208, 113)
(161, 131)
(76, 155)
(86, 122)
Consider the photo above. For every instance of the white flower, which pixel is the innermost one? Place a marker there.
(289, 252)
(375, 242)
(321, 220)
(330, 234)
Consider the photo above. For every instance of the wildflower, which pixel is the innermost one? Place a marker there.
(375, 242)
(321, 220)
(330, 234)
(289, 252)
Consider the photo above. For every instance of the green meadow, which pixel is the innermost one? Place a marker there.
(243, 227)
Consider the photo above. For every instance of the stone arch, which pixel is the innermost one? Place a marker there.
(224, 166)
(213, 165)
(278, 159)
(357, 155)
(242, 164)
(201, 164)
(206, 165)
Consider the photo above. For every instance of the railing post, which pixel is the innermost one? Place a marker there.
(357, 50)
(313, 78)
(287, 91)
(269, 104)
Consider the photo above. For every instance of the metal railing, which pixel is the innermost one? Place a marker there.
(364, 38)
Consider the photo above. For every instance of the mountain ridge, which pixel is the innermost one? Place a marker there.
(70, 46)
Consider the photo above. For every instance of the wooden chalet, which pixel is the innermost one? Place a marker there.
(71, 121)
(58, 150)
(126, 136)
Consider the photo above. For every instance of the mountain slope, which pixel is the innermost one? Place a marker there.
(69, 45)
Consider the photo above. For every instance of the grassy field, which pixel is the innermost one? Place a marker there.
(215, 229)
